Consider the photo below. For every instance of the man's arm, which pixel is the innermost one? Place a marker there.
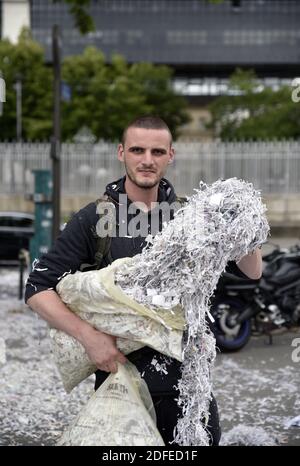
(74, 246)
(100, 347)
(251, 264)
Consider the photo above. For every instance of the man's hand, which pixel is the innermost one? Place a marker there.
(102, 350)
(251, 264)
(100, 347)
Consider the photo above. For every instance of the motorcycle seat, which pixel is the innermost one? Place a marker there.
(285, 275)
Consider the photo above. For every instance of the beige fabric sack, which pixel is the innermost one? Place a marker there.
(94, 297)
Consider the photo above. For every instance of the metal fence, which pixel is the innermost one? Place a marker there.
(273, 167)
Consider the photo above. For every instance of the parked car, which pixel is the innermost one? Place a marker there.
(16, 229)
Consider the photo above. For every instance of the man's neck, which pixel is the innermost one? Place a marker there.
(137, 194)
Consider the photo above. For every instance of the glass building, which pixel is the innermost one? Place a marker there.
(193, 36)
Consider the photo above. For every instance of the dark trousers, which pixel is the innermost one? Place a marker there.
(168, 412)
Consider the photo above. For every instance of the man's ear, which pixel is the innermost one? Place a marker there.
(121, 152)
(172, 155)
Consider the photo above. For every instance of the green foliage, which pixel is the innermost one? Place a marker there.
(78, 8)
(107, 97)
(104, 97)
(155, 84)
(255, 113)
(25, 61)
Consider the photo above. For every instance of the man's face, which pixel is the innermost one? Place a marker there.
(146, 154)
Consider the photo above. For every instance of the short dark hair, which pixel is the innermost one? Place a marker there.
(147, 122)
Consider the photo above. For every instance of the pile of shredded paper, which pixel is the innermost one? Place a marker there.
(174, 278)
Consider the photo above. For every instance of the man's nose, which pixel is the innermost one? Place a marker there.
(147, 158)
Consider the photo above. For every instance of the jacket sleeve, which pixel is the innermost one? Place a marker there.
(233, 268)
(75, 245)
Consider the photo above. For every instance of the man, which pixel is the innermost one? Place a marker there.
(146, 151)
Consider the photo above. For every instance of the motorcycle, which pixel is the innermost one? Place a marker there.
(242, 307)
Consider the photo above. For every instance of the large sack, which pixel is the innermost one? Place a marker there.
(95, 298)
(120, 413)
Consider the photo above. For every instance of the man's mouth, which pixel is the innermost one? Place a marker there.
(146, 171)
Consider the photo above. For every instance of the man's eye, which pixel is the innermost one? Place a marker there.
(158, 152)
(137, 150)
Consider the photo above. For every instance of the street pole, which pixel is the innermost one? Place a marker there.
(55, 143)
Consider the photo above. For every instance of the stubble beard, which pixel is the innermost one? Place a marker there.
(146, 184)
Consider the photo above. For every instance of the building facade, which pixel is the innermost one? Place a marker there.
(203, 42)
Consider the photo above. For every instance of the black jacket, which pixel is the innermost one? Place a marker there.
(76, 245)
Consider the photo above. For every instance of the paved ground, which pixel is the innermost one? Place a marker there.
(257, 388)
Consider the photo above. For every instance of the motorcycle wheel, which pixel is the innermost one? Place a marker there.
(228, 338)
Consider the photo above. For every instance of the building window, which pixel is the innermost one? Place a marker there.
(261, 37)
(183, 37)
(134, 36)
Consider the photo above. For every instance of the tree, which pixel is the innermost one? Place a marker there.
(255, 112)
(25, 61)
(79, 10)
(106, 98)
(155, 83)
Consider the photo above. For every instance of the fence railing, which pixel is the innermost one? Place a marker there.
(273, 167)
